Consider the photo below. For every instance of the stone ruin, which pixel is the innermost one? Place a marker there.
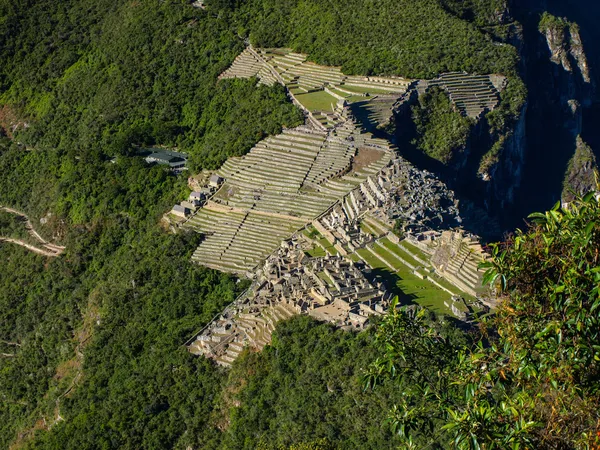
(456, 255)
(334, 288)
(352, 188)
(283, 183)
(328, 288)
(400, 191)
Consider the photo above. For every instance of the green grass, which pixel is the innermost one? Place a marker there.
(295, 90)
(311, 233)
(416, 250)
(366, 228)
(340, 93)
(408, 287)
(357, 98)
(329, 248)
(388, 256)
(395, 249)
(354, 257)
(452, 288)
(407, 283)
(377, 225)
(323, 276)
(317, 252)
(317, 101)
(348, 97)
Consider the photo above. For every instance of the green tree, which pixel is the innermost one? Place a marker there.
(533, 378)
(442, 131)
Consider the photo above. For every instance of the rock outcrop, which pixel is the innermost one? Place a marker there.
(581, 173)
(503, 177)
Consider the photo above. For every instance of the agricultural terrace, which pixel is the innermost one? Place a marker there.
(282, 184)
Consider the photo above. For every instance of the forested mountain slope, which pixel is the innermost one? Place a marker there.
(91, 342)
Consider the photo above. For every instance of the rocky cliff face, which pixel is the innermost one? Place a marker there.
(560, 84)
(571, 72)
(581, 172)
(516, 171)
(503, 178)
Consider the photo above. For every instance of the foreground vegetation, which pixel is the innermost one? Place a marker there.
(533, 378)
(91, 342)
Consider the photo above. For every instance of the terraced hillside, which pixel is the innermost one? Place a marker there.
(473, 95)
(288, 180)
(283, 183)
(329, 288)
(319, 88)
(302, 77)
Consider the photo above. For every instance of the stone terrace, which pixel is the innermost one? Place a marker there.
(300, 76)
(283, 183)
(456, 257)
(328, 288)
(472, 94)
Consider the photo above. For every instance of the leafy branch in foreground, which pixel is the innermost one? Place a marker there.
(532, 378)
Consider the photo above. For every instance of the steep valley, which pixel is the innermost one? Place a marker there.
(552, 122)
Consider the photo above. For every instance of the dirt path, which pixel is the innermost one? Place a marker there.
(29, 246)
(48, 250)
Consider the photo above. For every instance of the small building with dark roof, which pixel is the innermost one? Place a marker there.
(175, 160)
(215, 180)
(180, 211)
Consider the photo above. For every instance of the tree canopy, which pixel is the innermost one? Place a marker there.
(532, 379)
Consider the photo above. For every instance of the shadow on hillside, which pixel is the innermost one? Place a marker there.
(468, 189)
(390, 281)
(550, 128)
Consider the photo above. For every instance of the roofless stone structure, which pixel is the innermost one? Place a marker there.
(334, 178)
(282, 184)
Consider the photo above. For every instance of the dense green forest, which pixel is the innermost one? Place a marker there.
(407, 38)
(91, 342)
(105, 75)
(14, 227)
(442, 132)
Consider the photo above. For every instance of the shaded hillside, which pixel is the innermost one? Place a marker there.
(560, 99)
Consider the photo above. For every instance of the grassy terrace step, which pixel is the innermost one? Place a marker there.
(367, 229)
(450, 286)
(287, 169)
(285, 148)
(265, 157)
(317, 252)
(395, 250)
(354, 257)
(415, 250)
(271, 176)
(376, 224)
(323, 276)
(296, 141)
(409, 288)
(387, 256)
(317, 101)
(340, 93)
(327, 246)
